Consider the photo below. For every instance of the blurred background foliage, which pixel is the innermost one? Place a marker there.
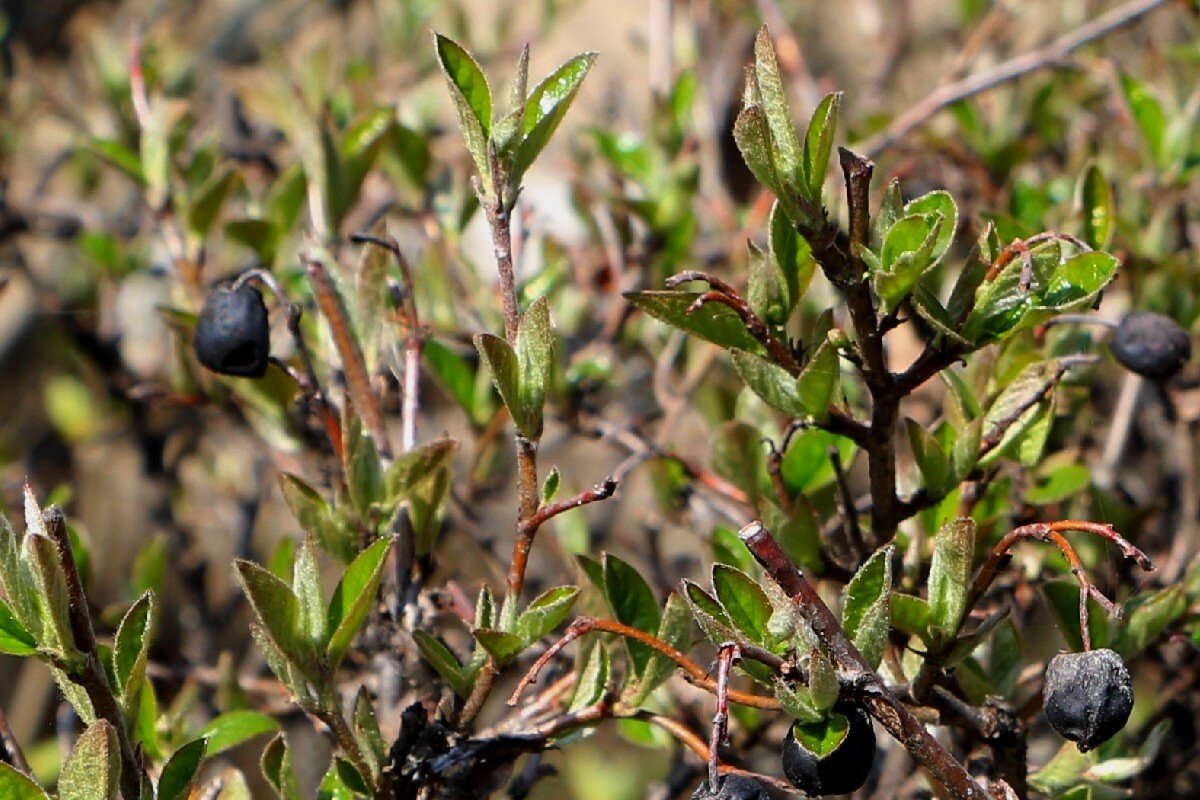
(278, 124)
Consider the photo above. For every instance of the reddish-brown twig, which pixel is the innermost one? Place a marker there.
(697, 674)
(728, 656)
(601, 491)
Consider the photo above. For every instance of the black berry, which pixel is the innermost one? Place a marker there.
(840, 771)
(232, 335)
(731, 787)
(1087, 696)
(1152, 345)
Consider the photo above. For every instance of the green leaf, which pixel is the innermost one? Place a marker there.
(306, 584)
(712, 322)
(737, 456)
(1062, 598)
(277, 768)
(633, 604)
(205, 203)
(797, 702)
(550, 487)
(891, 209)
(791, 256)
(234, 727)
(709, 614)
(908, 252)
(941, 204)
(366, 730)
(1093, 198)
(93, 770)
(1063, 772)
(865, 611)
(950, 576)
(501, 363)
(181, 770)
(118, 155)
(443, 661)
(822, 738)
(545, 613)
(14, 639)
(1147, 616)
(455, 375)
(317, 518)
(502, 646)
(545, 108)
(17, 578)
(1016, 408)
(676, 630)
(823, 685)
(785, 143)
(744, 601)
(353, 598)
(473, 101)
(15, 786)
(278, 610)
(910, 614)
(131, 649)
(593, 679)
(772, 383)
(817, 384)
(535, 361)
(927, 452)
(52, 598)
(752, 134)
(1147, 113)
(818, 144)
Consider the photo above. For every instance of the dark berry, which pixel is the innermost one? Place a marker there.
(232, 335)
(840, 771)
(1152, 345)
(1087, 696)
(731, 787)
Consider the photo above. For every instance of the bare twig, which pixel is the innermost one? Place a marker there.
(601, 491)
(1053, 54)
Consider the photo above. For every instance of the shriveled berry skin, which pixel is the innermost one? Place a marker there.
(731, 787)
(1152, 345)
(844, 770)
(232, 335)
(1087, 696)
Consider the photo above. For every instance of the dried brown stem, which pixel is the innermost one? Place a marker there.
(1053, 54)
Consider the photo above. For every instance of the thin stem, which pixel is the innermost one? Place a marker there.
(358, 382)
(728, 656)
(1052, 55)
(849, 512)
(696, 674)
(601, 491)
(12, 748)
(877, 698)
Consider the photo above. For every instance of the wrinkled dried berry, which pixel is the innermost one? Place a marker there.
(1152, 345)
(1087, 696)
(840, 772)
(232, 334)
(731, 787)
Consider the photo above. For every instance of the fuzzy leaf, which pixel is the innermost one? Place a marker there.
(818, 144)
(443, 661)
(545, 108)
(545, 613)
(353, 598)
(278, 610)
(769, 381)
(94, 768)
(712, 322)
(676, 630)
(502, 646)
(633, 604)
(535, 361)
(865, 613)
(785, 143)
(949, 576)
(473, 101)
(817, 384)
(131, 648)
(744, 601)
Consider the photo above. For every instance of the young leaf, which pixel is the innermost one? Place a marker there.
(353, 598)
(17, 578)
(910, 614)
(130, 650)
(502, 645)
(941, 204)
(891, 209)
(1147, 113)
(443, 661)
(817, 384)
(1093, 198)
(94, 768)
(797, 702)
(769, 381)
(318, 518)
(545, 108)
(278, 610)
(744, 601)
(818, 144)
(866, 605)
(501, 363)
(709, 614)
(277, 768)
(15, 786)
(927, 452)
(791, 256)
(181, 770)
(14, 639)
(632, 603)
(949, 576)
(712, 322)
(593, 679)
(823, 684)
(752, 134)
(535, 360)
(785, 144)
(306, 583)
(234, 727)
(42, 554)
(550, 487)
(473, 100)
(545, 613)
(676, 630)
